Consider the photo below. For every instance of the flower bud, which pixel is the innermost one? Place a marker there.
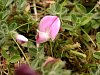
(21, 39)
(24, 69)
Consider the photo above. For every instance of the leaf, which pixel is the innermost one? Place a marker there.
(52, 9)
(95, 24)
(85, 19)
(14, 58)
(78, 53)
(97, 55)
(4, 54)
(64, 11)
(5, 47)
(96, 16)
(12, 26)
(86, 38)
(98, 37)
(81, 8)
(2, 41)
(9, 2)
(67, 26)
(23, 4)
(73, 17)
(5, 14)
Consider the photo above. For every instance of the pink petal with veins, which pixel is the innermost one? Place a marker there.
(48, 28)
(54, 29)
(50, 24)
(46, 22)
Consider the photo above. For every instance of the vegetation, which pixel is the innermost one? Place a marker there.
(75, 50)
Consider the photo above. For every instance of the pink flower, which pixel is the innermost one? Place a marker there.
(50, 60)
(20, 38)
(48, 29)
(24, 69)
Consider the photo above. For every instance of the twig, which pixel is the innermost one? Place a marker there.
(35, 10)
(89, 38)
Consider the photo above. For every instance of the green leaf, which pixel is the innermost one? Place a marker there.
(4, 54)
(64, 11)
(67, 27)
(86, 38)
(5, 47)
(52, 9)
(73, 17)
(96, 16)
(78, 53)
(87, 18)
(81, 8)
(14, 58)
(98, 37)
(2, 41)
(97, 55)
(5, 14)
(23, 4)
(95, 24)
(9, 2)
(12, 26)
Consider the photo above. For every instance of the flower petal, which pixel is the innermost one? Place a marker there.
(49, 60)
(41, 37)
(24, 69)
(21, 39)
(46, 22)
(54, 29)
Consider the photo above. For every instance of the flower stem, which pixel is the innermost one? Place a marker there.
(21, 26)
(21, 50)
(51, 48)
(37, 51)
